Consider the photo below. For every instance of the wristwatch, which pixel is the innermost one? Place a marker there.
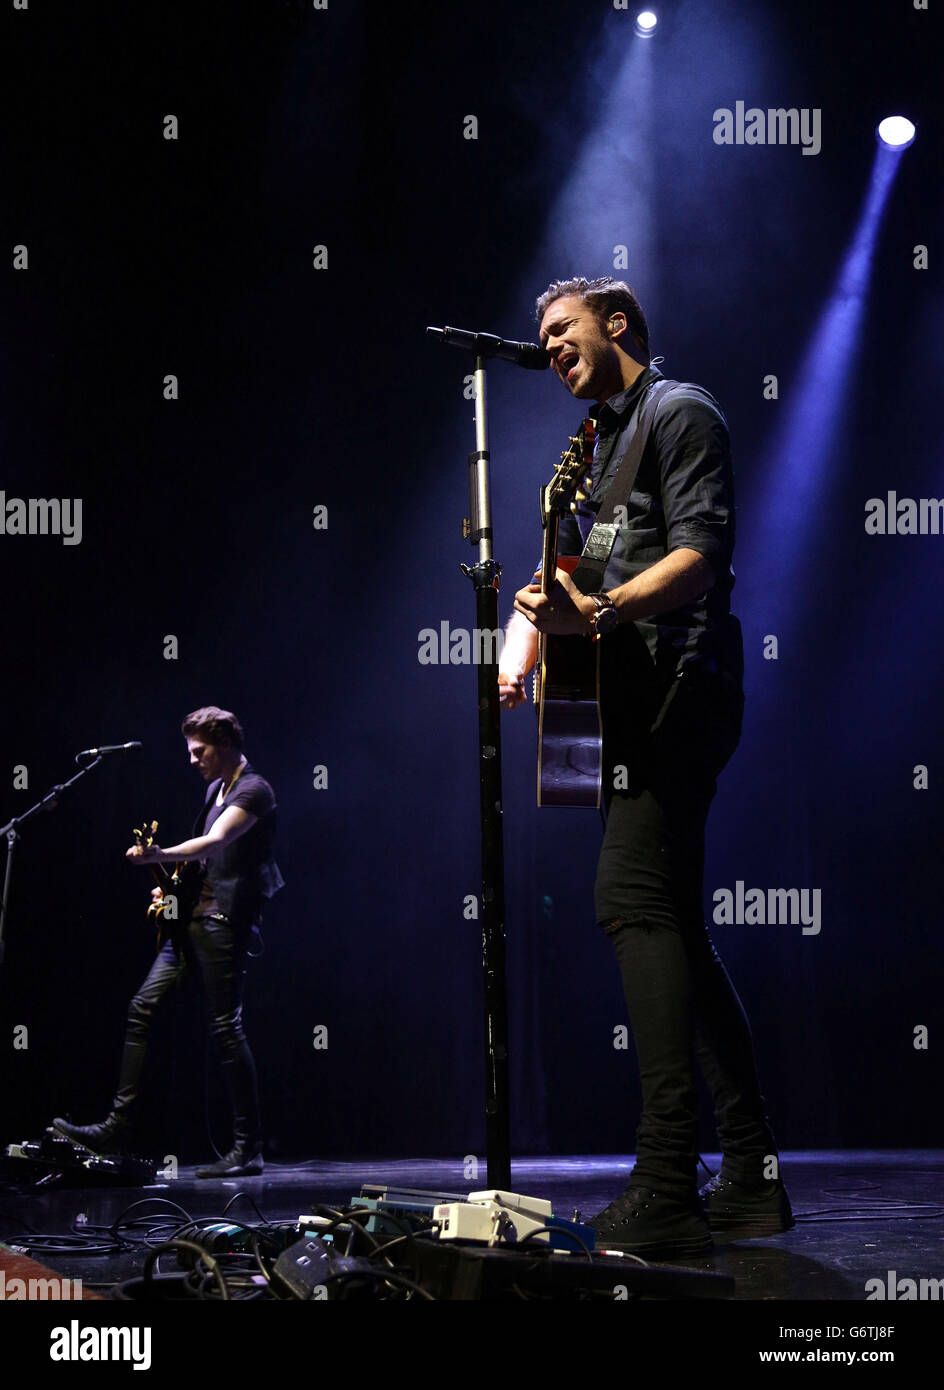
(605, 619)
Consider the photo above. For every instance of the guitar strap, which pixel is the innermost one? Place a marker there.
(211, 794)
(588, 576)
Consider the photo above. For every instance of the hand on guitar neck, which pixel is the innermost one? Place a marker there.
(144, 854)
(563, 610)
(146, 850)
(179, 887)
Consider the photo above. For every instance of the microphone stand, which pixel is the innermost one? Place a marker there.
(477, 529)
(12, 831)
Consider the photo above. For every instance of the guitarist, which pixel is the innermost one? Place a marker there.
(232, 875)
(670, 706)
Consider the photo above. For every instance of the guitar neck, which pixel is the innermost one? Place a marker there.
(549, 551)
(164, 877)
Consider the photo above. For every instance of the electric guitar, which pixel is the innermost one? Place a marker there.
(181, 885)
(566, 673)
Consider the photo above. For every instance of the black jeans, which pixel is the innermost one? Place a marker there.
(215, 952)
(649, 900)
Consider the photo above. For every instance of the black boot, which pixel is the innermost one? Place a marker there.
(113, 1134)
(244, 1159)
(109, 1137)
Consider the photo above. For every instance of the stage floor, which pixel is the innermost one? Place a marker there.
(861, 1215)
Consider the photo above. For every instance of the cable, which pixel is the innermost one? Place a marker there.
(412, 1236)
(71, 1245)
(249, 1198)
(347, 1217)
(572, 1235)
(388, 1277)
(211, 1263)
(871, 1213)
(143, 1202)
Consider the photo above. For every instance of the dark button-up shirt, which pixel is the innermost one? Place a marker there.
(683, 496)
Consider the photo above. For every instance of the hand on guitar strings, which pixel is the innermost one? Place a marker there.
(564, 611)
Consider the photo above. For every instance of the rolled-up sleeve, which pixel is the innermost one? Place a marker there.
(694, 451)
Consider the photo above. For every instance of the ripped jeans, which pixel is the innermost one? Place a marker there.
(649, 901)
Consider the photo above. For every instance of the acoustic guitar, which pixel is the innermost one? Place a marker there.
(566, 673)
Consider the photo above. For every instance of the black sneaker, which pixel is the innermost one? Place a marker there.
(738, 1209)
(651, 1223)
(109, 1137)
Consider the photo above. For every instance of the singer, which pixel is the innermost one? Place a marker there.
(671, 665)
(234, 876)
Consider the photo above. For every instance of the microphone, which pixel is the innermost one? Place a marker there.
(530, 355)
(106, 748)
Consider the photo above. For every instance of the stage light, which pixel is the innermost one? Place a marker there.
(646, 23)
(896, 131)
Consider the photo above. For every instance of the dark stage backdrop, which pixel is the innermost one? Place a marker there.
(180, 355)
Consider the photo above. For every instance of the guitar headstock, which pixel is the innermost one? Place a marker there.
(571, 480)
(145, 836)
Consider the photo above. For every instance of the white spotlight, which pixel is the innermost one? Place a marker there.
(646, 23)
(896, 131)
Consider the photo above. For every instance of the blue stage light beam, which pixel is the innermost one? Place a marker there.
(608, 199)
(803, 459)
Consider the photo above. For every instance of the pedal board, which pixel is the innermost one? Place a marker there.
(57, 1162)
(491, 1217)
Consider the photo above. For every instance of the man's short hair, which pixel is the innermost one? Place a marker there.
(214, 726)
(604, 296)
